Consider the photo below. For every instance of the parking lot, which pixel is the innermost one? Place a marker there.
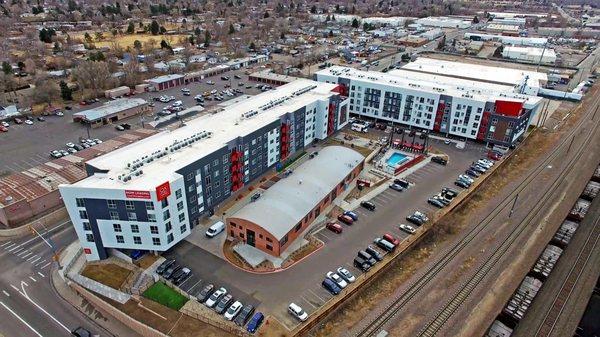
(301, 283)
(25, 146)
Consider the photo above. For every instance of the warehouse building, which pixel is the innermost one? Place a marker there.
(508, 40)
(475, 110)
(165, 82)
(530, 54)
(150, 194)
(444, 22)
(112, 111)
(286, 209)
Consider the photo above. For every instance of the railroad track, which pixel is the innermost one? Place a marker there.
(557, 306)
(389, 313)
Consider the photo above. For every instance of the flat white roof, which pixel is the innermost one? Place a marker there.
(477, 72)
(164, 78)
(532, 51)
(436, 84)
(110, 108)
(223, 127)
(289, 200)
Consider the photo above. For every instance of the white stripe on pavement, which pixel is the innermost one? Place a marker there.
(34, 280)
(32, 261)
(6, 293)
(4, 244)
(12, 244)
(42, 275)
(32, 256)
(20, 319)
(46, 265)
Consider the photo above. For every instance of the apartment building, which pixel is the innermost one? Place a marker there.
(150, 194)
(475, 110)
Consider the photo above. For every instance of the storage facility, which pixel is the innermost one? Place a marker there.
(165, 82)
(508, 40)
(111, 112)
(116, 92)
(286, 209)
(530, 54)
(444, 22)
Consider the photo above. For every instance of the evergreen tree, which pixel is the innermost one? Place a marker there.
(154, 28)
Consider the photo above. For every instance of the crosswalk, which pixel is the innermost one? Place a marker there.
(38, 259)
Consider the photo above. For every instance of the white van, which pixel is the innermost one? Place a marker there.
(177, 103)
(297, 312)
(359, 128)
(215, 229)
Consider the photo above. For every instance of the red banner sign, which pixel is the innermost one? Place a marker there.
(137, 194)
(163, 191)
(87, 251)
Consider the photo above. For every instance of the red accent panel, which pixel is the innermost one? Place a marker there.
(331, 119)
(341, 89)
(284, 144)
(137, 194)
(235, 169)
(509, 108)
(163, 190)
(483, 125)
(439, 115)
(87, 251)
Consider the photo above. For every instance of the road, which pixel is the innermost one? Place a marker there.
(545, 186)
(29, 304)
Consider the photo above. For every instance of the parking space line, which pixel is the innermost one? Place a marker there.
(13, 248)
(35, 260)
(46, 265)
(26, 255)
(308, 302)
(37, 264)
(192, 287)
(7, 247)
(18, 250)
(182, 283)
(317, 296)
(6, 243)
(325, 235)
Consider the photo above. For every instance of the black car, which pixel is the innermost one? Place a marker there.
(177, 274)
(224, 304)
(361, 264)
(439, 160)
(81, 332)
(449, 193)
(78, 147)
(374, 253)
(368, 205)
(126, 126)
(461, 183)
(435, 202)
(415, 219)
(244, 315)
(41, 119)
(186, 272)
(401, 182)
(472, 173)
(367, 257)
(171, 270)
(238, 77)
(163, 266)
(205, 292)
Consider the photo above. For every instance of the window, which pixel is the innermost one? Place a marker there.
(156, 241)
(168, 226)
(164, 203)
(151, 218)
(269, 239)
(135, 228)
(83, 214)
(191, 188)
(216, 162)
(260, 236)
(178, 194)
(120, 239)
(131, 216)
(269, 247)
(183, 228)
(170, 238)
(89, 237)
(166, 215)
(180, 205)
(181, 217)
(194, 210)
(111, 203)
(129, 205)
(298, 226)
(149, 205)
(153, 229)
(86, 226)
(80, 202)
(283, 241)
(137, 240)
(190, 176)
(113, 215)
(117, 228)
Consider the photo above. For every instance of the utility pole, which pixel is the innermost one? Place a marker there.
(571, 143)
(49, 243)
(512, 209)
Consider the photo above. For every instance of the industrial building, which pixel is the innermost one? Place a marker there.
(530, 54)
(494, 113)
(112, 111)
(165, 82)
(150, 194)
(509, 40)
(444, 22)
(286, 209)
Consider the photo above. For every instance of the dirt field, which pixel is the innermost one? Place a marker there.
(109, 274)
(127, 40)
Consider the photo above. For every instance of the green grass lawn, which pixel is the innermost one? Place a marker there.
(161, 293)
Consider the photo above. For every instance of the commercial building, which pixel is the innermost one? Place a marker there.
(472, 109)
(286, 209)
(112, 111)
(443, 22)
(269, 77)
(150, 194)
(413, 41)
(165, 82)
(529, 54)
(508, 40)
(511, 21)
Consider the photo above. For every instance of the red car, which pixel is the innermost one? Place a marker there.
(494, 155)
(391, 239)
(334, 227)
(345, 219)
(83, 103)
(3, 129)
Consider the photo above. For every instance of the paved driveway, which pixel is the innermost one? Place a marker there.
(302, 282)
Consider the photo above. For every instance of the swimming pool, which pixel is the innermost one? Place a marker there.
(395, 159)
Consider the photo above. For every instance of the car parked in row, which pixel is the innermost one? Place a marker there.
(345, 274)
(352, 215)
(331, 286)
(396, 187)
(334, 227)
(297, 311)
(407, 228)
(337, 279)
(345, 219)
(215, 297)
(368, 205)
(255, 322)
(244, 315)
(439, 160)
(417, 218)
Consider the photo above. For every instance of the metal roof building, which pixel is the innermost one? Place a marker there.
(293, 202)
(111, 111)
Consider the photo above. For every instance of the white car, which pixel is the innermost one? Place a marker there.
(407, 228)
(233, 310)
(60, 113)
(98, 141)
(346, 275)
(70, 145)
(215, 297)
(297, 312)
(28, 122)
(5, 124)
(337, 279)
(466, 178)
(185, 90)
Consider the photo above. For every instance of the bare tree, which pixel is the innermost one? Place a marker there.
(132, 72)
(45, 90)
(92, 76)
